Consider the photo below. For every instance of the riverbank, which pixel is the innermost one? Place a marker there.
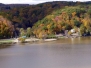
(6, 41)
(34, 40)
(15, 40)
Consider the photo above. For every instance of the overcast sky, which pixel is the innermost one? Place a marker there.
(32, 1)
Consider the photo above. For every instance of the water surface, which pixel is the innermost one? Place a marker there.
(63, 53)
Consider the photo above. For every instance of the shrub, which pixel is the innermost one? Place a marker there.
(22, 40)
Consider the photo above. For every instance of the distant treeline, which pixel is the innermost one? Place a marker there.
(11, 6)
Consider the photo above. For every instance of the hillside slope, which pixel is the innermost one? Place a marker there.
(65, 19)
(26, 15)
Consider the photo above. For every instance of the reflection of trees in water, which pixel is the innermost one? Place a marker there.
(81, 40)
(5, 45)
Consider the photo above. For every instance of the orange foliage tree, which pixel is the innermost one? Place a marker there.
(6, 28)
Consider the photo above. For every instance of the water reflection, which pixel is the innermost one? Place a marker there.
(5, 46)
(64, 53)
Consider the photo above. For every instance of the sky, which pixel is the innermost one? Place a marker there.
(31, 1)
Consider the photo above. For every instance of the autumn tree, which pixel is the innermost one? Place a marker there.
(6, 28)
(82, 29)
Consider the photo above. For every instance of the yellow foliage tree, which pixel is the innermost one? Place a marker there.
(73, 14)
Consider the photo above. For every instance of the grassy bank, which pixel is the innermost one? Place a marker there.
(6, 41)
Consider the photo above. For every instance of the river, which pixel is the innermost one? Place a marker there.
(63, 53)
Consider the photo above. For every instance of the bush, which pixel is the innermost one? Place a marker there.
(22, 40)
(51, 36)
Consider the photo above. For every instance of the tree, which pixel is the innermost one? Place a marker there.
(29, 32)
(77, 23)
(82, 29)
(68, 27)
(6, 28)
(22, 32)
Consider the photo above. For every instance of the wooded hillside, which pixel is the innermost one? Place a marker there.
(77, 17)
(24, 15)
(53, 17)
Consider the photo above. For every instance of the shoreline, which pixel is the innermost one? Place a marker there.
(15, 40)
(35, 40)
